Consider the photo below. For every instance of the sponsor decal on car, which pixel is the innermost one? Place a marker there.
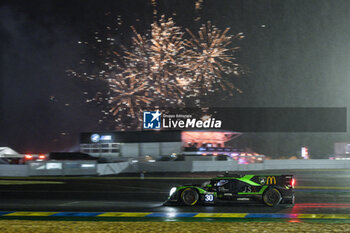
(271, 180)
(209, 197)
(262, 180)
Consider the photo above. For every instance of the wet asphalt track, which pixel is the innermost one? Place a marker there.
(317, 192)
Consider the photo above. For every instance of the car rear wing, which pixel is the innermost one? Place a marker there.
(287, 180)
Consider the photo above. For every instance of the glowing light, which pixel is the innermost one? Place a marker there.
(293, 182)
(172, 191)
(208, 137)
(294, 220)
(86, 165)
(28, 157)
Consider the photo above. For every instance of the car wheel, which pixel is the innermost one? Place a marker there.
(189, 196)
(272, 197)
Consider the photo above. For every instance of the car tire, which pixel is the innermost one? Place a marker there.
(189, 196)
(272, 197)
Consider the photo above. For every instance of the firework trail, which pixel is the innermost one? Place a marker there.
(198, 5)
(165, 68)
(154, 5)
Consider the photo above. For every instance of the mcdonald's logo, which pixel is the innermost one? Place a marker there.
(271, 180)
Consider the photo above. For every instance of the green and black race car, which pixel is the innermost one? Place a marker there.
(269, 189)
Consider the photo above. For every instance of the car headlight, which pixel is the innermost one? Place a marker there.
(172, 191)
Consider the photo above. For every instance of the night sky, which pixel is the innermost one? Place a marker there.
(297, 53)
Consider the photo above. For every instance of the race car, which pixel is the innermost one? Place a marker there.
(272, 190)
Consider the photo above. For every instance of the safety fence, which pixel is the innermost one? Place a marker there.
(50, 168)
(91, 168)
(218, 166)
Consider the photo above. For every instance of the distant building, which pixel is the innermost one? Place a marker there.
(131, 144)
(8, 155)
(162, 143)
(341, 150)
(6, 151)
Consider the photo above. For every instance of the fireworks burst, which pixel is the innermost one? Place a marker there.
(210, 58)
(156, 61)
(128, 94)
(163, 68)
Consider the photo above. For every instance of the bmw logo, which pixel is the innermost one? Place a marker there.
(95, 137)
